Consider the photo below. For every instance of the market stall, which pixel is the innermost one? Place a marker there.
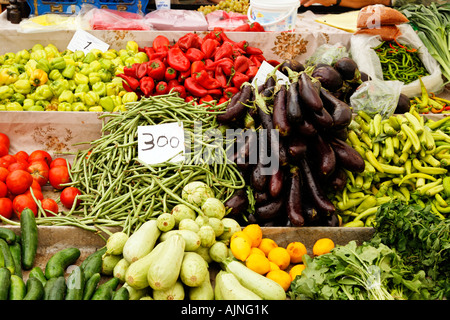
(352, 164)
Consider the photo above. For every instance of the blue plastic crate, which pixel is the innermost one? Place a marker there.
(39, 7)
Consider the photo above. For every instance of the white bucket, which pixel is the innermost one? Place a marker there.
(279, 15)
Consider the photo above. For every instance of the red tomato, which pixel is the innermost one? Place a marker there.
(19, 181)
(18, 166)
(35, 185)
(40, 155)
(3, 150)
(57, 176)
(23, 201)
(6, 207)
(7, 160)
(39, 171)
(3, 189)
(37, 194)
(68, 195)
(58, 162)
(50, 205)
(21, 156)
(3, 173)
(4, 140)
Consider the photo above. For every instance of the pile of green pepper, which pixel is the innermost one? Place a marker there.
(400, 62)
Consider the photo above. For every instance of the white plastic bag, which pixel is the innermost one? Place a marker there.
(377, 97)
(328, 54)
(368, 61)
(181, 20)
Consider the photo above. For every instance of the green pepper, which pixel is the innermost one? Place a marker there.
(95, 109)
(52, 51)
(78, 55)
(105, 75)
(92, 98)
(125, 54)
(80, 78)
(17, 97)
(38, 55)
(22, 86)
(69, 71)
(30, 66)
(94, 77)
(65, 106)
(55, 75)
(117, 62)
(36, 108)
(85, 69)
(27, 103)
(142, 57)
(107, 103)
(117, 100)
(95, 66)
(132, 46)
(37, 47)
(66, 96)
(43, 64)
(66, 53)
(129, 97)
(79, 97)
(57, 63)
(42, 103)
(22, 56)
(89, 57)
(79, 106)
(2, 106)
(6, 92)
(43, 92)
(8, 75)
(58, 86)
(72, 85)
(97, 53)
(84, 87)
(106, 64)
(131, 60)
(99, 88)
(110, 54)
(14, 106)
(112, 88)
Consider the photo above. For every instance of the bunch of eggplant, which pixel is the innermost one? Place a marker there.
(310, 147)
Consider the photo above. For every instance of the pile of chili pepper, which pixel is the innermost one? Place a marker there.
(400, 62)
(206, 68)
(429, 102)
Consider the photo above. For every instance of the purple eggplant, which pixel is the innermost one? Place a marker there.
(346, 156)
(338, 109)
(294, 200)
(329, 77)
(309, 94)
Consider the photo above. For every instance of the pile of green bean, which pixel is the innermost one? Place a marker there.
(118, 190)
(400, 62)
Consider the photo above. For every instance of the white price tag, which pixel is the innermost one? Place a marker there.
(85, 42)
(264, 69)
(160, 143)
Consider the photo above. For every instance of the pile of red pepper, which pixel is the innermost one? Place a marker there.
(207, 68)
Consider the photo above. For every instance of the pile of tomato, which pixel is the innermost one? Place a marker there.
(22, 177)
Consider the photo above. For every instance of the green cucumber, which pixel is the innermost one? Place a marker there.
(58, 263)
(7, 256)
(5, 283)
(17, 290)
(16, 253)
(75, 284)
(48, 287)
(29, 238)
(37, 273)
(121, 294)
(91, 286)
(94, 265)
(105, 290)
(58, 289)
(99, 252)
(35, 289)
(8, 235)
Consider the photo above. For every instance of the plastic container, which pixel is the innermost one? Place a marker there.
(280, 15)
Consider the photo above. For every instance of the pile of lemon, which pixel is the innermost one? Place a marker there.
(264, 256)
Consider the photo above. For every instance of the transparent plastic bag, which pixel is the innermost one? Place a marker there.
(179, 20)
(225, 20)
(109, 19)
(377, 97)
(50, 22)
(368, 61)
(328, 54)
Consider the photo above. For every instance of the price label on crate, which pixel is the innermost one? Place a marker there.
(160, 143)
(85, 42)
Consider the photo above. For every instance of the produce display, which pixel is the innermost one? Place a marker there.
(286, 149)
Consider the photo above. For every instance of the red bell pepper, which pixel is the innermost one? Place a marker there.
(206, 98)
(141, 70)
(181, 91)
(256, 60)
(183, 75)
(253, 51)
(209, 47)
(215, 34)
(132, 83)
(189, 40)
(189, 99)
(194, 88)
(215, 92)
(220, 76)
(222, 100)
(161, 43)
(131, 71)
(224, 51)
(147, 84)
(230, 91)
(241, 64)
(273, 63)
(156, 69)
(194, 54)
(177, 60)
(243, 27)
(256, 27)
(204, 79)
(161, 88)
(127, 87)
(197, 66)
(170, 74)
(225, 63)
(239, 78)
(252, 71)
(172, 83)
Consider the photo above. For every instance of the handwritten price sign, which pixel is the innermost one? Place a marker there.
(161, 143)
(85, 42)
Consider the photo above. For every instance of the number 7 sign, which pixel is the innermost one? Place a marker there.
(85, 42)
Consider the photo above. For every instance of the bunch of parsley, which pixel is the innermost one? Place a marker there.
(358, 272)
(421, 238)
